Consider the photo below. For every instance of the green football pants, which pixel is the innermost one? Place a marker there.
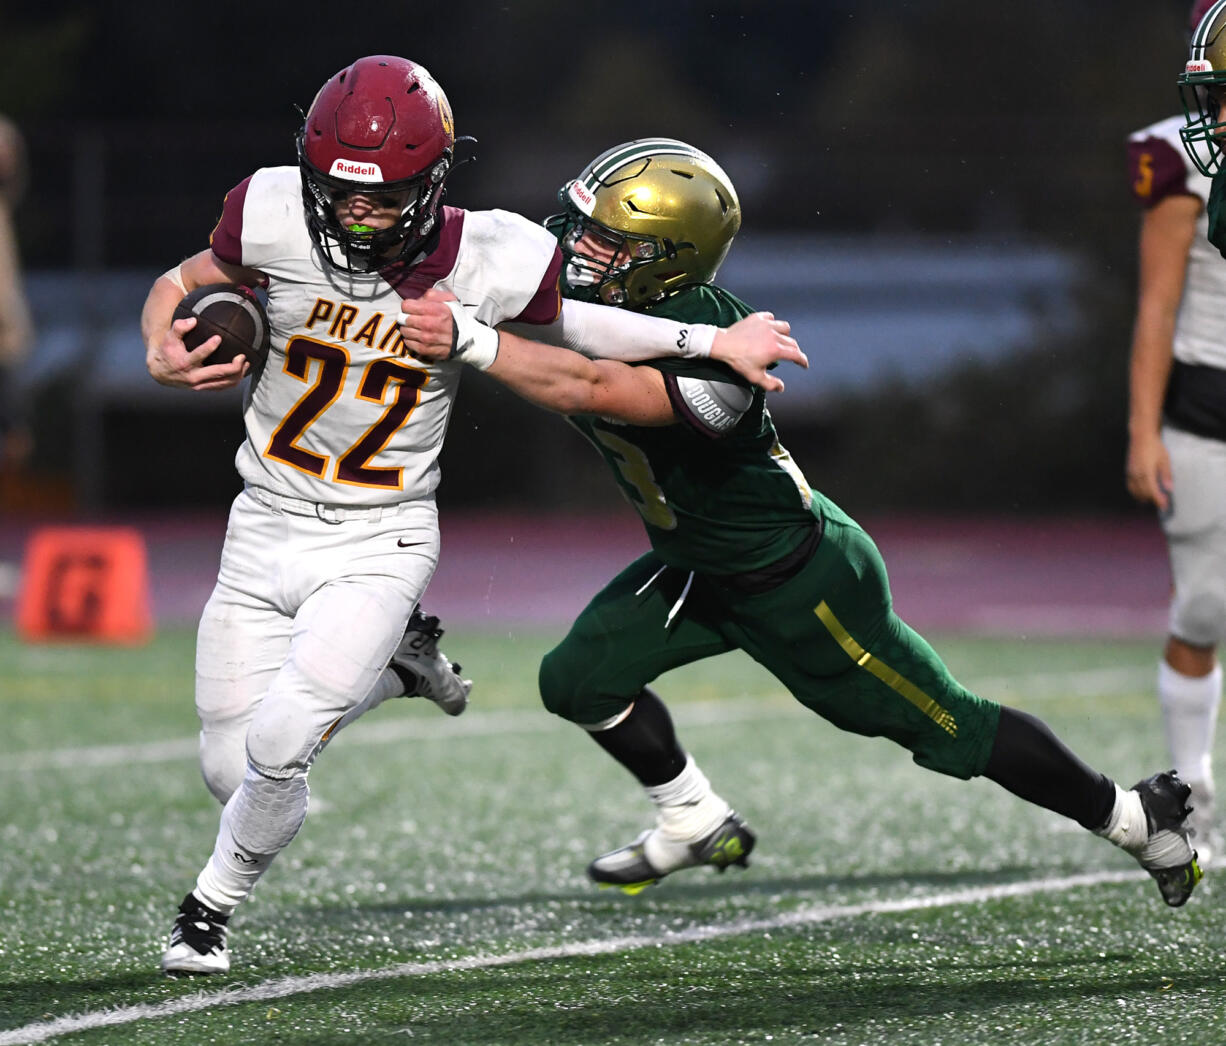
(829, 634)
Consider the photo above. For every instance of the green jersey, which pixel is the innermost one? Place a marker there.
(1216, 209)
(720, 497)
(717, 493)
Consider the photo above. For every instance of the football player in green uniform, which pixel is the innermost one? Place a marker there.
(745, 554)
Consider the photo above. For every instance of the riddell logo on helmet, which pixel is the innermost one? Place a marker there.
(356, 171)
(582, 199)
(1198, 65)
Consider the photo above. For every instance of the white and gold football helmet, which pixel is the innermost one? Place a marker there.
(663, 214)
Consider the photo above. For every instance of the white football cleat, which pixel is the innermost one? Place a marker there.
(425, 670)
(197, 940)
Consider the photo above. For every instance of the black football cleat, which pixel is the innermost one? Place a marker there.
(1167, 854)
(197, 940)
(632, 870)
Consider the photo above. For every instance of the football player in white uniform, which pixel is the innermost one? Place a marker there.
(1177, 436)
(335, 536)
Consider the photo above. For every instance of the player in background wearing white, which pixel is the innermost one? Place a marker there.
(1179, 337)
(335, 534)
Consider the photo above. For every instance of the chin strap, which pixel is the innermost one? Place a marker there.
(464, 140)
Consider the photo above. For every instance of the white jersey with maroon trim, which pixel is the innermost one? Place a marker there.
(340, 414)
(1159, 167)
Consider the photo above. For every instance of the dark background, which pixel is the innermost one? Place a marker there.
(881, 121)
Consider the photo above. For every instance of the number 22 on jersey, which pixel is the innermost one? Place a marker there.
(328, 364)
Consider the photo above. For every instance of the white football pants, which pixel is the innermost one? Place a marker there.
(303, 620)
(1195, 530)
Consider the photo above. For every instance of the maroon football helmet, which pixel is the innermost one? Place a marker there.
(381, 125)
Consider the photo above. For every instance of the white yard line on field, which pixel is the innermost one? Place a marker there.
(483, 724)
(41, 1031)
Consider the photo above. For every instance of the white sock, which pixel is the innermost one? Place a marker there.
(1189, 715)
(258, 822)
(1126, 826)
(686, 806)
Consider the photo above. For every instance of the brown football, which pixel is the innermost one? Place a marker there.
(233, 312)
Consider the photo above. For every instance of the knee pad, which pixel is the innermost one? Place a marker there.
(268, 812)
(1199, 617)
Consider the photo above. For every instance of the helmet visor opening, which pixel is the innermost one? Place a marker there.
(1204, 132)
(602, 258)
(359, 247)
(605, 249)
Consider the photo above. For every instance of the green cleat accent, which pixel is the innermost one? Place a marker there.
(728, 849)
(1176, 884)
(629, 889)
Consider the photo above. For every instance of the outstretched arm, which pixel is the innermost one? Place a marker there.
(566, 382)
(168, 360)
(749, 346)
(436, 327)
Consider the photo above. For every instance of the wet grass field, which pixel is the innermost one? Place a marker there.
(437, 891)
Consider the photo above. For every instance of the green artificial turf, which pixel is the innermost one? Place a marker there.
(437, 891)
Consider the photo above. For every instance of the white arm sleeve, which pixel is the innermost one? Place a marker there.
(608, 333)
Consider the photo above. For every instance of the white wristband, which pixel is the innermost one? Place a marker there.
(473, 342)
(697, 339)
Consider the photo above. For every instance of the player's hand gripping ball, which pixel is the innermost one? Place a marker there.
(233, 312)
